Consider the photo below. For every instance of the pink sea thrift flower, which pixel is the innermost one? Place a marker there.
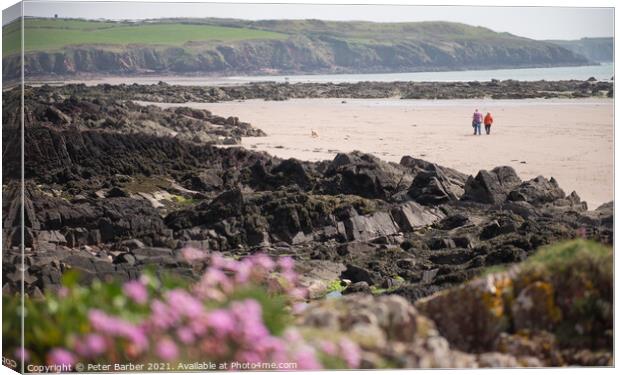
(292, 335)
(191, 254)
(221, 321)
(186, 335)
(329, 348)
(299, 307)
(136, 291)
(184, 304)
(286, 263)
(113, 326)
(167, 350)
(95, 343)
(215, 278)
(63, 292)
(306, 359)
(263, 261)
(298, 293)
(61, 357)
(221, 263)
(249, 316)
(91, 345)
(290, 276)
(243, 271)
(161, 315)
(22, 354)
(350, 352)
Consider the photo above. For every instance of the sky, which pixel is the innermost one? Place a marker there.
(531, 22)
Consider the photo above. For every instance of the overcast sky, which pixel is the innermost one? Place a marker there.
(531, 22)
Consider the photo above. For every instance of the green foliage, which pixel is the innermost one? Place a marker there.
(568, 255)
(335, 286)
(183, 201)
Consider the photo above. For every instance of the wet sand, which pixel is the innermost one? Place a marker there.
(569, 139)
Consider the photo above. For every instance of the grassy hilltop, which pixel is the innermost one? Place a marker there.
(49, 35)
(70, 46)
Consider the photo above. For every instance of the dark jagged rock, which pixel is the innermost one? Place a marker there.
(491, 187)
(411, 216)
(364, 175)
(357, 287)
(505, 89)
(431, 186)
(537, 191)
(357, 275)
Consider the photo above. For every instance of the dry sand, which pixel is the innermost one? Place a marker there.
(571, 140)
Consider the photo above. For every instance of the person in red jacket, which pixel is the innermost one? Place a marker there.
(488, 121)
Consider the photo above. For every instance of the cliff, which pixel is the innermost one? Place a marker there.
(594, 49)
(215, 46)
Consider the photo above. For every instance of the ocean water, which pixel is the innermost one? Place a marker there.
(602, 72)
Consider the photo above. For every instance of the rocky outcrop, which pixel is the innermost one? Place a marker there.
(537, 308)
(390, 332)
(507, 89)
(365, 175)
(433, 187)
(109, 115)
(491, 187)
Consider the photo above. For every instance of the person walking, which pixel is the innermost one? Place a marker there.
(488, 121)
(477, 122)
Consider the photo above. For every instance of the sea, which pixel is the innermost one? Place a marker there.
(602, 72)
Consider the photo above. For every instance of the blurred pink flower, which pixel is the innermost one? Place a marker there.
(243, 271)
(95, 343)
(63, 292)
(22, 354)
(182, 317)
(263, 261)
(299, 307)
(191, 254)
(329, 348)
(306, 359)
(216, 278)
(114, 326)
(292, 335)
(184, 304)
(286, 263)
(136, 291)
(61, 357)
(298, 293)
(185, 335)
(221, 322)
(167, 350)
(221, 263)
(350, 352)
(249, 317)
(91, 345)
(161, 315)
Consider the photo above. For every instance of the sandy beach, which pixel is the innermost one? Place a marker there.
(571, 140)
